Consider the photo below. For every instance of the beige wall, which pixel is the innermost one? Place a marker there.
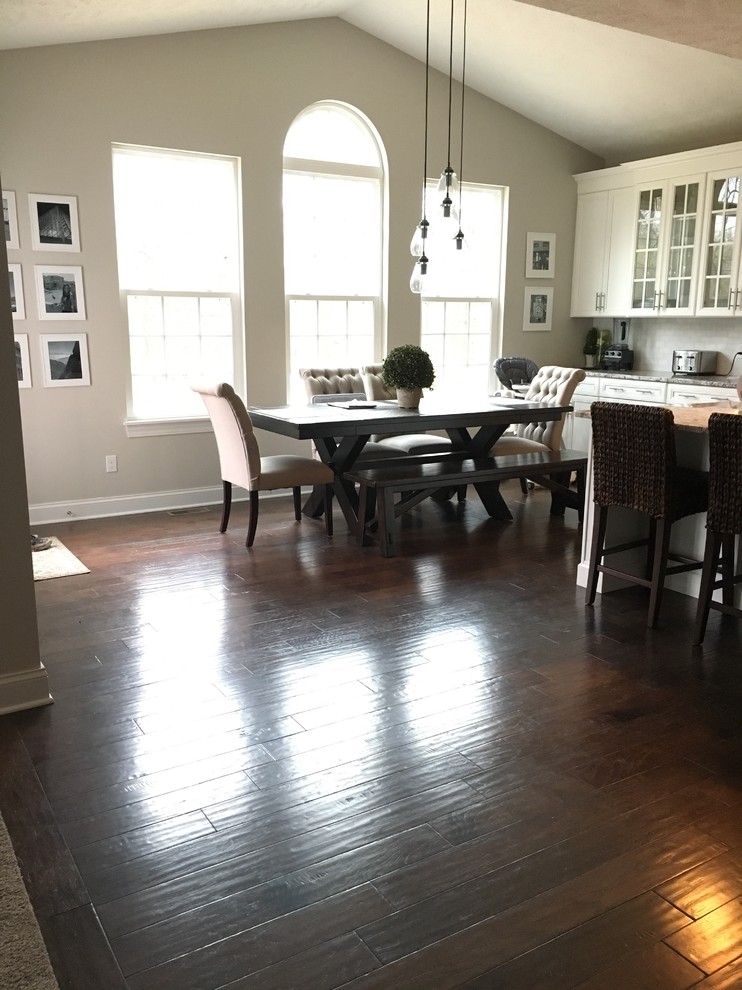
(236, 92)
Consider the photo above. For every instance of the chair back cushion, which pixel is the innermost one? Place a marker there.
(373, 383)
(725, 473)
(515, 370)
(633, 456)
(554, 386)
(331, 381)
(239, 455)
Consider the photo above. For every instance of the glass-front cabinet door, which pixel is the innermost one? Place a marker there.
(666, 247)
(720, 292)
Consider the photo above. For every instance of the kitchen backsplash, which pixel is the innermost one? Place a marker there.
(653, 341)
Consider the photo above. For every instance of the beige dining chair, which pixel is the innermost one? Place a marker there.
(241, 464)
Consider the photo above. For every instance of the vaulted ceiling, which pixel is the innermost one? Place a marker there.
(626, 79)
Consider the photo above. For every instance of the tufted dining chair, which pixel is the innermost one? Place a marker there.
(241, 464)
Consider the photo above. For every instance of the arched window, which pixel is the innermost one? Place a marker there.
(333, 210)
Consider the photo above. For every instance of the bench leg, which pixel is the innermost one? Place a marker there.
(387, 522)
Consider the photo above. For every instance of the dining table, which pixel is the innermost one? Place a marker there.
(340, 431)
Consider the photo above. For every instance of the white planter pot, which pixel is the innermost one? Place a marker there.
(409, 398)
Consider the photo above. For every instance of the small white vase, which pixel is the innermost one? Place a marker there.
(409, 398)
(589, 360)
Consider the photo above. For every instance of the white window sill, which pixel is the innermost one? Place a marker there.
(166, 427)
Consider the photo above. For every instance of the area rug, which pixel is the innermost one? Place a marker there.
(56, 562)
(24, 962)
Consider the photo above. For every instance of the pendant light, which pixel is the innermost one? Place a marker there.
(448, 183)
(460, 234)
(419, 238)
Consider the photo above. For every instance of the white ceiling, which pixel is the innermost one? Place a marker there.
(624, 78)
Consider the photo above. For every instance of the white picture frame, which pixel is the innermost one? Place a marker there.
(60, 292)
(537, 307)
(22, 360)
(540, 255)
(10, 220)
(64, 359)
(15, 285)
(54, 223)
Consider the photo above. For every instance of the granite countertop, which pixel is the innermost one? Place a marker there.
(722, 381)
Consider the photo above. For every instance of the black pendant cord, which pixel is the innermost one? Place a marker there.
(450, 90)
(460, 234)
(424, 224)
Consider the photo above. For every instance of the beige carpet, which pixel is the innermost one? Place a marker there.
(56, 562)
(24, 963)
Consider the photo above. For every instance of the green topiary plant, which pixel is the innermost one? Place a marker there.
(592, 339)
(408, 366)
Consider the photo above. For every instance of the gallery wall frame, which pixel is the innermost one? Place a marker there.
(22, 360)
(537, 306)
(540, 255)
(60, 292)
(54, 223)
(15, 283)
(10, 220)
(64, 359)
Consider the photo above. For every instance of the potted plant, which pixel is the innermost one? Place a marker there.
(591, 347)
(408, 368)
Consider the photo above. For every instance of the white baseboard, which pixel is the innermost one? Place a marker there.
(123, 505)
(24, 689)
(126, 505)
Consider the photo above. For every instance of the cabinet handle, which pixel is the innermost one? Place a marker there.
(597, 302)
(732, 304)
(602, 300)
(658, 300)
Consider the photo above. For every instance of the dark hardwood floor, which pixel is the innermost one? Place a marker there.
(305, 766)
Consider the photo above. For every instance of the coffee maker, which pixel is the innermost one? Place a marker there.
(618, 356)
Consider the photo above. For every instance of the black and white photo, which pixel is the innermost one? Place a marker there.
(54, 224)
(22, 361)
(537, 308)
(59, 291)
(540, 255)
(65, 359)
(10, 220)
(15, 284)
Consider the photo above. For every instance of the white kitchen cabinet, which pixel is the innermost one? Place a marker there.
(625, 390)
(720, 288)
(667, 246)
(601, 272)
(577, 433)
(684, 393)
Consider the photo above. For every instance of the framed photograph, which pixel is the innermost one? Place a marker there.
(65, 359)
(540, 255)
(537, 308)
(15, 280)
(59, 291)
(10, 220)
(54, 225)
(22, 360)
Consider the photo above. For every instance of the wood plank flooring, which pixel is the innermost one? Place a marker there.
(306, 766)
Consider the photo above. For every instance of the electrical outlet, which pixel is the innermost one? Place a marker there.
(112, 463)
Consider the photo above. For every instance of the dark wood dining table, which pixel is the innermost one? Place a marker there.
(341, 430)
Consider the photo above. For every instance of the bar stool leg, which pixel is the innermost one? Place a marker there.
(596, 552)
(708, 576)
(661, 548)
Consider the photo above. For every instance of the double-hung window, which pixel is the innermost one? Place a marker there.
(178, 243)
(333, 220)
(461, 294)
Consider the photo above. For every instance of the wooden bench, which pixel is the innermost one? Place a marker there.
(417, 478)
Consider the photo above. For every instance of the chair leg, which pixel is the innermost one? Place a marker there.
(461, 493)
(661, 550)
(708, 576)
(226, 505)
(524, 486)
(727, 568)
(328, 509)
(297, 503)
(596, 552)
(253, 524)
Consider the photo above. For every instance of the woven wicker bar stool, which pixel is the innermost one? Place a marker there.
(724, 520)
(634, 467)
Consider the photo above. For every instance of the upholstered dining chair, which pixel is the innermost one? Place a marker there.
(241, 464)
(634, 467)
(723, 521)
(551, 385)
(406, 443)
